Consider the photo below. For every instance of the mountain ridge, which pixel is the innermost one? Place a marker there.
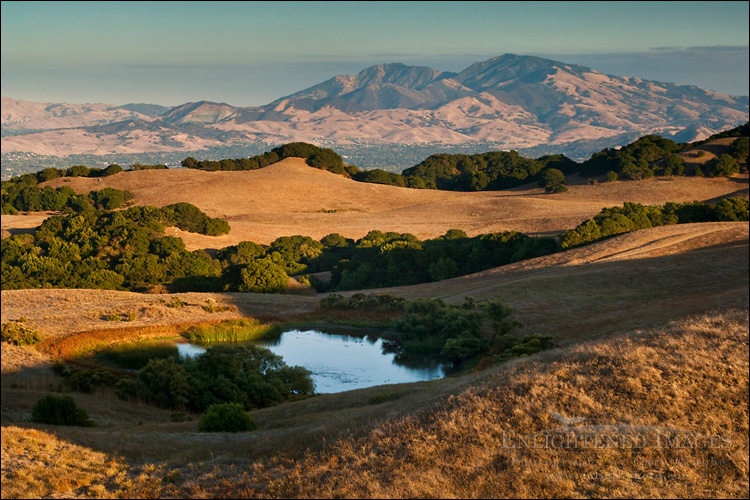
(513, 101)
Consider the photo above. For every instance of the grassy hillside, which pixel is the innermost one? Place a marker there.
(290, 197)
(652, 342)
(680, 391)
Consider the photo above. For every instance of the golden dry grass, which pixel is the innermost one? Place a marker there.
(607, 305)
(691, 376)
(290, 198)
(37, 464)
(457, 438)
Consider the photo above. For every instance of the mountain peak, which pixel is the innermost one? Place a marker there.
(412, 77)
(200, 112)
(511, 67)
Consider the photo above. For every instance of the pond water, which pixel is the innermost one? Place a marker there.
(340, 362)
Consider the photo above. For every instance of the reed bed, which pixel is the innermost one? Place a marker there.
(238, 330)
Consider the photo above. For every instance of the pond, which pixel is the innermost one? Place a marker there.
(340, 362)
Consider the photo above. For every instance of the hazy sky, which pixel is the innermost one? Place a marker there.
(251, 53)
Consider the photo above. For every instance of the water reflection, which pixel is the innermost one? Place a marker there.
(340, 362)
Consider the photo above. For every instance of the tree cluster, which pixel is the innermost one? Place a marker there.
(248, 375)
(648, 156)
(115, 250)
(633, 216)
(21, 194)
(322, 158)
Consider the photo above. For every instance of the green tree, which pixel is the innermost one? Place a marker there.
(724, 166)
(112, 170)
(740, 148)
(77, 171)
(226, 417)
(552, 178)
(164, 382)
(263, 276)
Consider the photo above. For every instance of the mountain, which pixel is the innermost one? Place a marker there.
(198, 112)
(18, 115)
(520, 101)
(508, 102)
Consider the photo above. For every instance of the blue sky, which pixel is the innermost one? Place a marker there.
(251, 53)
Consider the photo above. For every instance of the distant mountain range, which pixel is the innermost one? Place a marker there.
(511, 101)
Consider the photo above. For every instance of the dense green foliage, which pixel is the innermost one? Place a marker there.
(723, 166)
(105, 249)
(226, 417)
(431, 328)
(633, 216)
(487, 171)
(395, 259)
(553, 181)
(190, 218)
(635, 161)
(740, 149)
(18, 196)
(322, 158)
(251, 376)
(60, 410)
(138, 166)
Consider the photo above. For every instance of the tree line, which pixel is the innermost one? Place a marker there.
(128, 250)
(646, 157)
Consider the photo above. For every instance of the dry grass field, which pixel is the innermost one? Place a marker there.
(652, 342)
(290, 198)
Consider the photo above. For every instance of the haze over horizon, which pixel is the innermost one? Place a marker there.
(252, 53)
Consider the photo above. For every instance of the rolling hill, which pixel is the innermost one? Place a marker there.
(650, 330)
(290, 197)
(621, 362)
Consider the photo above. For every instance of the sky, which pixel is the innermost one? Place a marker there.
(252, 53)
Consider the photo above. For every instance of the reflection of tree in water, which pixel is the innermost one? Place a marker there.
(417, 361)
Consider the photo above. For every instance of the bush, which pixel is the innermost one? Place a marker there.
(60, 410)
(226, 417)
(18, 334)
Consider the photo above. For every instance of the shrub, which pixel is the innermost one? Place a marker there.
(19, 334)
(86, 380)
(226, 417)
(177, 302)
(60, 410)
(244, 374)
(179, 416)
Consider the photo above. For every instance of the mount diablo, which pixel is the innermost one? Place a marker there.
(511, 101)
